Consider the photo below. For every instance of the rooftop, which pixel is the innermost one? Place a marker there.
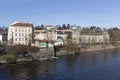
(16, 23)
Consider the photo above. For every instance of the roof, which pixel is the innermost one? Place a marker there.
(74, 27)
(36, 31)
(22, 24)
(43, 40)
(49, 26)
(67, 30)
(60, 32)
(40, 31)
(59, 40)
(92, 32)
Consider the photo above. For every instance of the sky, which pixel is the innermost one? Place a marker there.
(102, 13)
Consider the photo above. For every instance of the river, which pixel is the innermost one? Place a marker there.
(100, 65)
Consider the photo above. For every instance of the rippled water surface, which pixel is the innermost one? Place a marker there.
(101, 65)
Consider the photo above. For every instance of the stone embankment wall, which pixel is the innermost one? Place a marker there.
(43, 53)
(97, 48)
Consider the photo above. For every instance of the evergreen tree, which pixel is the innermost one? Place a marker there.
(42, 26)
(68, 26)
(59, 27)
(37, 27)
(93, 28)
(64, 26)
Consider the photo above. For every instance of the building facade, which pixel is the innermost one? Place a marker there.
(62, 34)
(1, 38)
(46, 37)
(20, 33)
(76, 34)
(95, 39)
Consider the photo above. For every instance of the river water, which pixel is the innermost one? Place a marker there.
(100, 65)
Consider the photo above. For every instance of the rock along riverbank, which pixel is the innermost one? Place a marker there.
(98, 48)
(50, 52)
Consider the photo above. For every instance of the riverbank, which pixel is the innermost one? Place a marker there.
(98, 48)
(48, 54)
(91, 49)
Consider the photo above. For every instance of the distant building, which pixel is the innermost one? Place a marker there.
(41, 43)
(49, 36)
(20, 33)
(40, 38)
(94, 37)
(49, 27)
(40, 34)
(3, 38)
(59, 42)
(45, 38)
(62, 34)
(76, 34)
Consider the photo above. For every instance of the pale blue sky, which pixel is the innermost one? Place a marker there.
(103, 13)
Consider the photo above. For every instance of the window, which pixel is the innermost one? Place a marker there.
(15, 34)
(19, 29)
(19, 39)
(26, 39)
(10, 34)
(15, 39)
(19, 34)
(15, 29)
(25, 30)
(22, 34)
(22, 39)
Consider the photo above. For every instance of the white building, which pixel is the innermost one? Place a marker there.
(20, 33)
(58, 42)
(62, 34)
(1, 38)
(57, 37)
(76, 34)
(101, 38)
(44, 38)
(49, 27)
(40, 34)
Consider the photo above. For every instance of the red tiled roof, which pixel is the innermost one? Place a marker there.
(22, 24)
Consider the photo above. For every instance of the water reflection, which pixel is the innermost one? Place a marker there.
(100, 65)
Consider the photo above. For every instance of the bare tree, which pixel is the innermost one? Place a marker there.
(71, 45)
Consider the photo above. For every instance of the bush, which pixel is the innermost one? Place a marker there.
(71, 46)
(21, 49)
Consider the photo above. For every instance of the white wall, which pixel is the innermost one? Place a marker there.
(1, 39)
(20, 34)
